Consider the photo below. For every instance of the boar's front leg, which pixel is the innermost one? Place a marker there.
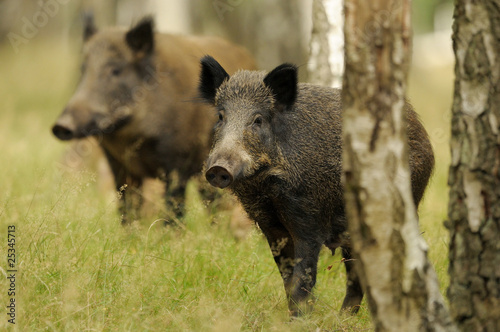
(174, 197)
(128, 187)
(306, 251)
(281, 244)
(297, 259)
(175, 192)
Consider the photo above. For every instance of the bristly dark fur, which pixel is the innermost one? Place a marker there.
(211, 78)
(282, 81)
(141, 37)
(280, 144)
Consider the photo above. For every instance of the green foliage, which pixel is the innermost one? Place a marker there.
(79, 269)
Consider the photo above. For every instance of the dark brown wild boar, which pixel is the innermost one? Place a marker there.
(278, 147)
(137, 97)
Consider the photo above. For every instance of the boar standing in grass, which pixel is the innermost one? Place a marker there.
(278, 147)
(137, 97)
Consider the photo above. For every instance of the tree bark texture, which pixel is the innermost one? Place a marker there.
(326, 58)
(474, 179)
(401, 285)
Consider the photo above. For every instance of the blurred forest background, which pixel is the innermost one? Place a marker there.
(274, 30)
(79, 267)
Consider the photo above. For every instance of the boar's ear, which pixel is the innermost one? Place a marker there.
(141, 38)
(212, 76)
(89, 28)
(282, 81)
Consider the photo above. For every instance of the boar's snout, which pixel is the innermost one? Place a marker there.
(219, 176)
(224, 166)
(64, 128)
(223, 169)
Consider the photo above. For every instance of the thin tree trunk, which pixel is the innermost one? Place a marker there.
(401, 285)
(326, 57)
(474, 179)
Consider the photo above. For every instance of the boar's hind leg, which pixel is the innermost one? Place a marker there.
(354, 293)
(128, 187)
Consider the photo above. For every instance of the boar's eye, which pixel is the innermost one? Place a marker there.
(258, 120)
(221, 117)
(116, 71)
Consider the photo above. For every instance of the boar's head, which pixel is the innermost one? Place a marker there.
(251, 109)
(116, 64)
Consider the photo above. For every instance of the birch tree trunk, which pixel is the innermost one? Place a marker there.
(401, 286)
(474, 179)
(326, 57)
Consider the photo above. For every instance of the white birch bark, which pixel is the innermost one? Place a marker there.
(401, 285)
(326, 58)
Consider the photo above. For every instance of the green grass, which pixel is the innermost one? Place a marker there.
(79, 269)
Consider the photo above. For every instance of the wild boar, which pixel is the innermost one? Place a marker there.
(278, 148)
(138, 97)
